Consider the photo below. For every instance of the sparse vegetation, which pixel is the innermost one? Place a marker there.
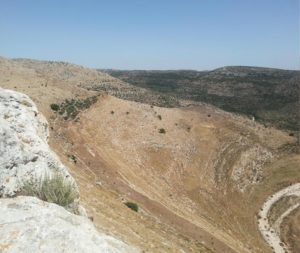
(162, 131)
(132, 206)
(54, 107)
(55, 189)
(73, 158)
(270, 95)
(69, 109)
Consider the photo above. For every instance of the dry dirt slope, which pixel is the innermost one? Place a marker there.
(214, 172)
(200, 183)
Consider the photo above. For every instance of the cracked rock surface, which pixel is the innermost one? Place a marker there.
(28, 224)
(24, 151)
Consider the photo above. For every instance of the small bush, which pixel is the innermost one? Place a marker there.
(53, 189)
(54, 107)
(132, 206)
(112, 112)
(159, 117)
(162, 131)
(73, 158)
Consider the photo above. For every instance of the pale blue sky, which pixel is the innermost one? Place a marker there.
(153, 34)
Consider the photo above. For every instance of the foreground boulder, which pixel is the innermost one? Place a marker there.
(28, 224)
(24, 151)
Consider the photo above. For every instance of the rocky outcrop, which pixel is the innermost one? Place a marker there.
(24, 152)
(248, 168)
(28, 224)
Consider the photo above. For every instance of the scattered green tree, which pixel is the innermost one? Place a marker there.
(162, 131)
(54, 107)
(132, 206)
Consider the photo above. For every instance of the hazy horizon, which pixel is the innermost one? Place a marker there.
(124, 69)
(153, 35)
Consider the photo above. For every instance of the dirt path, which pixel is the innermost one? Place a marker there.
(267, 230)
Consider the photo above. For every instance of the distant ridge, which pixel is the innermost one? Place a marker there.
(269, 95)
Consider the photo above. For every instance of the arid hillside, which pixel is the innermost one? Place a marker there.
(199, 175)
(269, 95)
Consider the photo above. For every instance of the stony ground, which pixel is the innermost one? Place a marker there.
(271, 232)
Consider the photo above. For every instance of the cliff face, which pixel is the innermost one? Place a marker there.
(28, 224)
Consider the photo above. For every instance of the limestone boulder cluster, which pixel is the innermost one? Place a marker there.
(28, 224)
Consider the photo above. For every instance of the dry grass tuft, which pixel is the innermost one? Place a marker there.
(55, 189)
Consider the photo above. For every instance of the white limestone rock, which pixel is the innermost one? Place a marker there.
(24, 152)
(28, 224)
